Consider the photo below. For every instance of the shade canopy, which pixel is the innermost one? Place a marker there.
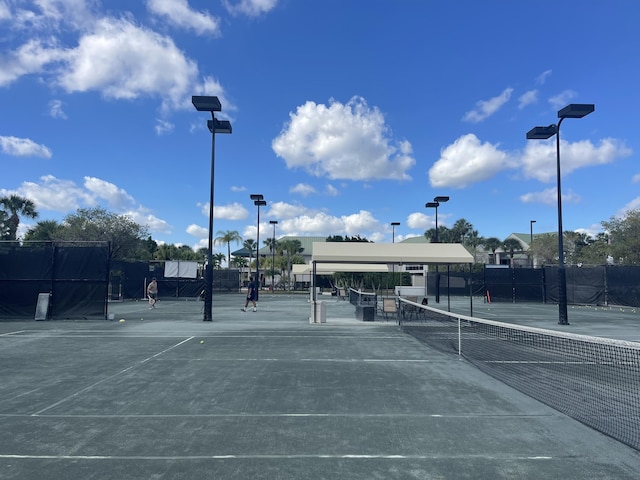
(397, 253)
(329, 268)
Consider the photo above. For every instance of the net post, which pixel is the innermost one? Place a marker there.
(459, 336)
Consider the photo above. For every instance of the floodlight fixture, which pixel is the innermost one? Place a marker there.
(542, 133)
(206, 103)
(219, 126)
(576, 110)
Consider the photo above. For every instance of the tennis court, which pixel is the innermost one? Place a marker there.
(267, 395)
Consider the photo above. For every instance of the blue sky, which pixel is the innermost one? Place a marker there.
(347, 115)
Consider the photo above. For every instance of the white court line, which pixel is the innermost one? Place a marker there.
(269, 457)
(282, 415)
(39, 412)
(12, 333)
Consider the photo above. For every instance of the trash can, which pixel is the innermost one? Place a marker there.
(318, 312)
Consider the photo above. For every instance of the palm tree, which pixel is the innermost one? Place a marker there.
(217, 259)
(292, 247)
(44, 230)
(17, 205)
(4, 225)
(512, 245)
(251, 245)
(492, 243)
(228, 237)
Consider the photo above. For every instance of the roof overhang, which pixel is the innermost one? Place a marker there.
(395, 253)
(328, 268)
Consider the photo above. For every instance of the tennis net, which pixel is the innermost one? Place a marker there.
(593, 380)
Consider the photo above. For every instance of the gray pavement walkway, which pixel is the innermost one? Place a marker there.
(266, 395)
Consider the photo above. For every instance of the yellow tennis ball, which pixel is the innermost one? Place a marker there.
(122, 320)
(201, 341)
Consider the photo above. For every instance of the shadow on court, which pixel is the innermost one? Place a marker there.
(267, 395)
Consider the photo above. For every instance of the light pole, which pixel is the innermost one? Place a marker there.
(435, 204)
(210, 104)
(273, 255)
(531, 222)
(574, 110)
(393, 265)
(258, 202)
(393, 229)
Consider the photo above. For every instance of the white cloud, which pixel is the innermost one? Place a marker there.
(113, 56)
(321, 223)
(178, 13)
(235, 188)
(23, 147)
(360, 223)
(420, 220)
(233, 211)
(539, 159)
(486, 108)
(635, 178)
(56, 195)
(468, 161)
(542, 78)
(116, 198)
(343, 141)
(562, 99)
(318, 224)
(155, 224)
(64, 196)
(164, 126)
(302, 189)
(124, 61)
(198, 231)
(632, 205)
(252, 8)
(527, 98)
(286, 210)
(332, 191)
(55, 109)
(5, 13)
(550, 197)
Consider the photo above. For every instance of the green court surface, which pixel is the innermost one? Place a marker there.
(267, 395)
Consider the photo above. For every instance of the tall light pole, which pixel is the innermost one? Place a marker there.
(393, 230)
(531, 222)
(210, 104)
(574, 110)
(258, 201)
(435, 204)
(393, 265)
(273, 254)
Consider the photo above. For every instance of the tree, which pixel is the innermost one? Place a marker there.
(217, 259)
(45, 230)
(293, 248)
(126, 237)
(460, 230)
(4, 225)
(595, 252)
(347, 238)
(250, 244)
(16, 205)
(492, 243)
(545, 248)
(228, 237)
(511, 246)
(624, 234)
